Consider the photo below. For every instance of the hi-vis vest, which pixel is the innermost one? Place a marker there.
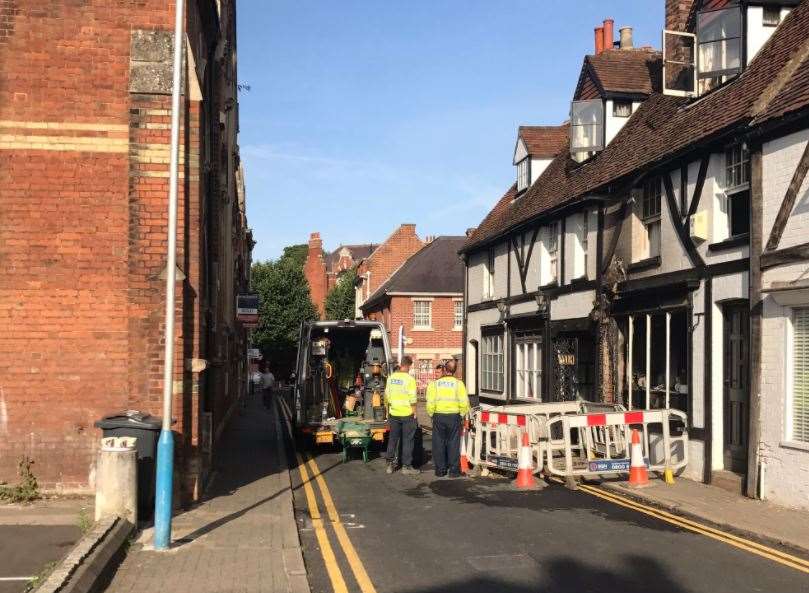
(447, 395)
(400, 394)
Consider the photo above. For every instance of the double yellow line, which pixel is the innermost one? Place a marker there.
(330, 560)
(722, 536)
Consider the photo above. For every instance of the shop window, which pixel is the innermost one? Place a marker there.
(650, 215)
(528, 366)
(492, 360)
(798, 426)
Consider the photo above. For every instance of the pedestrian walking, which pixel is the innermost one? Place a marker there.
(400, 400)
(447, 404)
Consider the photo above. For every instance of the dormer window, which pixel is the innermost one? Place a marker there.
(621, 108)
(586, 128)
(523, 174)
(719, 41)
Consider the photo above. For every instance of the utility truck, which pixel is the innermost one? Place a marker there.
(339, 385)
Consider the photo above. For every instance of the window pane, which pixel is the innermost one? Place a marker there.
(800, 377)
(739, 213)
(653, 230)
(586, 125)
(719, 56)
(715, 25)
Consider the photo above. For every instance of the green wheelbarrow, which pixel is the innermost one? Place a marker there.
(354, 435)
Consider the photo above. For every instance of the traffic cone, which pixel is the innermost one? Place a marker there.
(638, 473)
(525, 475)
(464, 456)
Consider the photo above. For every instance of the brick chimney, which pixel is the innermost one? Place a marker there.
(314, 268)
(679, 15)
(599, 40)
(609, 34)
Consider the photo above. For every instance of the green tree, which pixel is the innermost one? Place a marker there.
(340, 300)
(296, 253)
(285, 303)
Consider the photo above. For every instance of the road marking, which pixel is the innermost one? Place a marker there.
(332, 568)
(364, 581)
(738, 542)
(8, 579)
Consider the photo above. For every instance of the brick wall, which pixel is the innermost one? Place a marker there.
(314, 268)
(680, 15)
(84, 163)
(388, 257)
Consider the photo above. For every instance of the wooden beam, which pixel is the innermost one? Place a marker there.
(616, 234)
(703, 172)
(789, 201)
(782, 257)
(756, 310)
(520, 265)
(679, 225)
(527, 261)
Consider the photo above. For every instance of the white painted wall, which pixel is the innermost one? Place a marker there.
(572, 306)
(538, 167)
(612, 124)
(757, 33)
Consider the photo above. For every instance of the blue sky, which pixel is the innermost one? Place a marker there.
(364, 114)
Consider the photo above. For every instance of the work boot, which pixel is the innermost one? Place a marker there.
(409, 470)
(390, 469)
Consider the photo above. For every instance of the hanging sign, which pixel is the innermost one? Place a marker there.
(247, 309)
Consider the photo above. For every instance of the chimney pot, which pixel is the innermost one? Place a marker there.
(626, 38)
(609, 34)
(599, 40)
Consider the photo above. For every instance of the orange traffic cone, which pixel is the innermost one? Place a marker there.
(525, 466)
(464, 456)
(638, 473)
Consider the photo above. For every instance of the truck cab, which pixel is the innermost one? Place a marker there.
(341, 370)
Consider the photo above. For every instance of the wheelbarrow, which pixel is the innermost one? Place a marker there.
(354, 435)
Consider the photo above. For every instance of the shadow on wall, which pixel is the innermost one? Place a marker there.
(565, 574)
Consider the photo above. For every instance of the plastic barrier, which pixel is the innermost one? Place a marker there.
(576, 438)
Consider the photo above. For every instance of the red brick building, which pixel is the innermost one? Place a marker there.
(322, 269)
(84, 137)
(425, 298)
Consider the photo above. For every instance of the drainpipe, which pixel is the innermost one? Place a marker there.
(165, 445)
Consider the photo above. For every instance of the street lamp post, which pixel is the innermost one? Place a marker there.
(165, 446)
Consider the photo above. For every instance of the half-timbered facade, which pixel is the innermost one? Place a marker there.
(669, 255)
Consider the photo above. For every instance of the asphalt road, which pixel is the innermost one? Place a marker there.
(25, 550)
(418, 533)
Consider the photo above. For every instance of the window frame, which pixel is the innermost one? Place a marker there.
(623, 103)
(457, 322)
(554, 229)
(737, 184)
(492, 362)
(653, 216)
(765, 22)
(523, 174)
(598, 140)
(789, 408)
(584, 240)
(488, 275)
(525, 343)
(724, 74)
(429, 315)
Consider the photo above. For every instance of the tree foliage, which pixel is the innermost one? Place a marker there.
(285, 303)
(296, 253)
(340, 300)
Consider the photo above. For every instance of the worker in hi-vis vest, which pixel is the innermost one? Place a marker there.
(400, 400)
(447, 404)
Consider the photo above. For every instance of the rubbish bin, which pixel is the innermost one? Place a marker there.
(145, 428)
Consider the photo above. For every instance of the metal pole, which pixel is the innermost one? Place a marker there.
(165, 446)
(668, 356)
(630, 362)
(648, 360)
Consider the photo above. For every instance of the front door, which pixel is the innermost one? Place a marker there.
(737, 389)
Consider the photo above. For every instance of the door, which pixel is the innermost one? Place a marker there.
(736, 383)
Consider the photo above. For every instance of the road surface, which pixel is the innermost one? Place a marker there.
(364, 531)
(26, 550)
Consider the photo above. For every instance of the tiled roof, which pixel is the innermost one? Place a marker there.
(435, 268)
(358, 252)
(635, 71)
(665, 126)
(544, 141)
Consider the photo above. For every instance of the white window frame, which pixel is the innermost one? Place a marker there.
(488, 275)
(492, 361)
(726, 73)
(584, 116)
(790, 435)
(428, 316)
(457, 314)
(692, 64)
(737, 181)
(584, 241)
(623, 104)
(770, 23)
(523, 174)
(553, 252)
(651, 219)
(528, 368)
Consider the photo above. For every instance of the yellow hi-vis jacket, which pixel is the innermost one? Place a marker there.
(400, 394)
(447, 395)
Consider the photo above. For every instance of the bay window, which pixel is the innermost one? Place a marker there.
(492, 360)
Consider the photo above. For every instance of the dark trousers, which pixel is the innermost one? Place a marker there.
(447, 443)
(402, 428)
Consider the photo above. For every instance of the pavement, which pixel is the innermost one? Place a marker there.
(242, 537)
(34, 536)
(402, 534)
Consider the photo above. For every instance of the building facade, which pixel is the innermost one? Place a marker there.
(657, 261)
(423, 300)
(85, 153)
